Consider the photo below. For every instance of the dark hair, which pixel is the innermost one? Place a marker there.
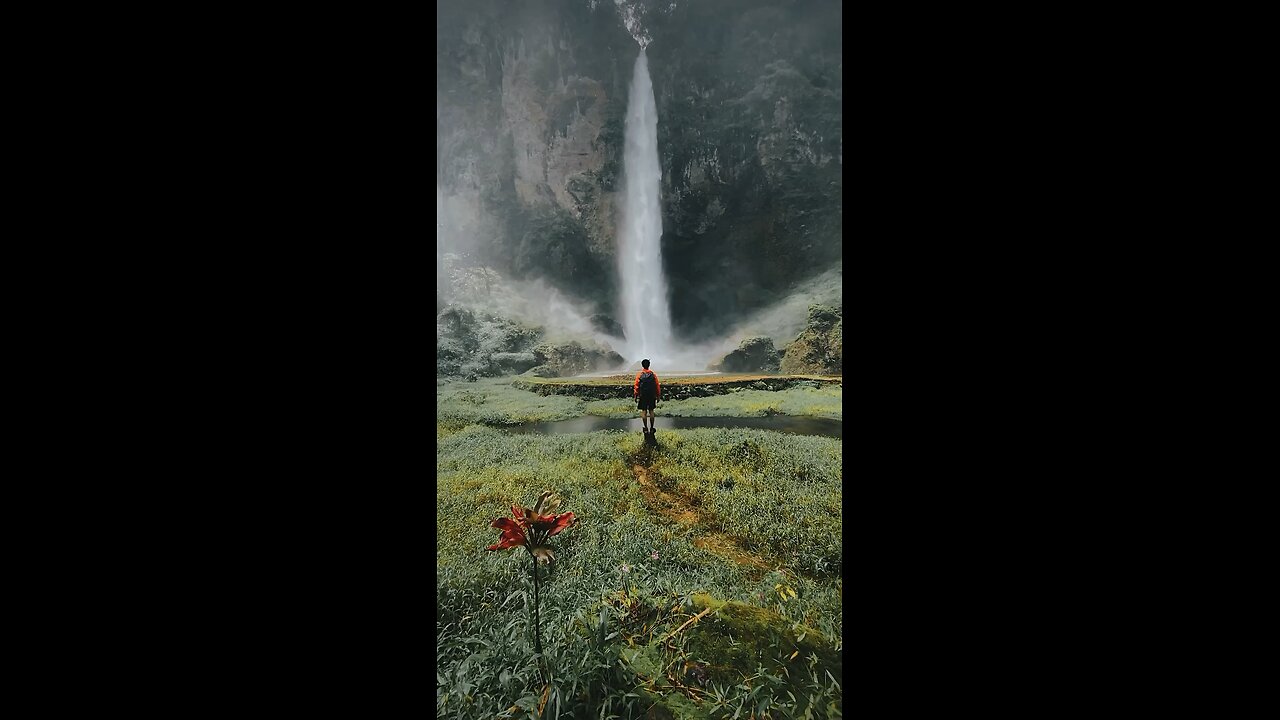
(645, 363)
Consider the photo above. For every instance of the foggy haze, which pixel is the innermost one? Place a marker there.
(535, 220)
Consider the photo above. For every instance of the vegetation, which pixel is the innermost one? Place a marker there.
(755, 354)
(751, 141)
(702, 578)
(643, 612)
(677, 388)
(815, 402)
(497, 402)
(819, 348)
(492, 401)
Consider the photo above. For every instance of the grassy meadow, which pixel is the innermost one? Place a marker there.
(701, 580)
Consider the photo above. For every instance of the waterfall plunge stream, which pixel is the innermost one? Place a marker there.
(646, 315)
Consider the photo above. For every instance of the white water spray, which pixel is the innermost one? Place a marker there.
(646, 315)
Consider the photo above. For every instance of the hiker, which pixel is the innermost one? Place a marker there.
(647, 392)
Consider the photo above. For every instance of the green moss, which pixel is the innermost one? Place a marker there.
(721, 381)
(737, 638)
(703, 600)
(672, 706)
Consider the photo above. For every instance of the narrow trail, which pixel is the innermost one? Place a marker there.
(683, 512)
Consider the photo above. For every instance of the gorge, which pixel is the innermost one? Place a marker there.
(532, 160)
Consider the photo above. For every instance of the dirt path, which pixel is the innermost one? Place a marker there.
(678, 509)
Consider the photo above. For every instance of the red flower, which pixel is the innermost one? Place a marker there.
(551, 524)
(531, 528)
(512, 534)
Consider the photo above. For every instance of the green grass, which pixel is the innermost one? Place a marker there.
(602, 623)
(717, 379)
(779, 493)
(492, 401)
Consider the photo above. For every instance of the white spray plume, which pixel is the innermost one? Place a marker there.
(782, 321)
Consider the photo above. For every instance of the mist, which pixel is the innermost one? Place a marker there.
(532, 105)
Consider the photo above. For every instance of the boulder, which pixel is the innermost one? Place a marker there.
(818, 349)
(607, 325)
(472, 342)
(755, 354)
(574, 358)
(513, 363)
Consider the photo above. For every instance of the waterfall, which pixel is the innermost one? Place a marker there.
(646, 316)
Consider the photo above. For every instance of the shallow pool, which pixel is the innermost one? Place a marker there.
(796, 424)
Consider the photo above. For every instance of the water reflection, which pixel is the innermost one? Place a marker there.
(798, 425)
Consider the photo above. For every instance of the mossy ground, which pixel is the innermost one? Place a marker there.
(817, 402)
(493, 401)
(610, 609)
(716, 379)
(496, 402)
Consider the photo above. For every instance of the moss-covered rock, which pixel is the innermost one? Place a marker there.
(818, 349)
(513, 363)
(574, 358)
(544, 371)
(755, 354)
(470, 342)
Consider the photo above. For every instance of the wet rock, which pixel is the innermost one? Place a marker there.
(545, 371)
(755, 354)
(574, 358)
(607, 325)
(818, 349)
(471, 342)
(513, 363)
(531, 119)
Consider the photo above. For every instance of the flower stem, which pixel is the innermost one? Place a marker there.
(537, 631)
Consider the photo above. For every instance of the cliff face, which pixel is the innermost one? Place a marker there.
(531, 99)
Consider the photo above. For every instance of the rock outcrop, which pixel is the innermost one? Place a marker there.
(480, 344)
(818, 349)
(574, 358)
(607, 325)
(755, 354)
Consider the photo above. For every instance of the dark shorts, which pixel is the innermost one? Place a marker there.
(644, 404)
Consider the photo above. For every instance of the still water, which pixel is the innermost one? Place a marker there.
(798, 425)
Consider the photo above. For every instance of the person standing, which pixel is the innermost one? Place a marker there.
(647, 392)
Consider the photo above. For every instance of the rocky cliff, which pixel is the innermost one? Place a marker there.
(530, 103)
